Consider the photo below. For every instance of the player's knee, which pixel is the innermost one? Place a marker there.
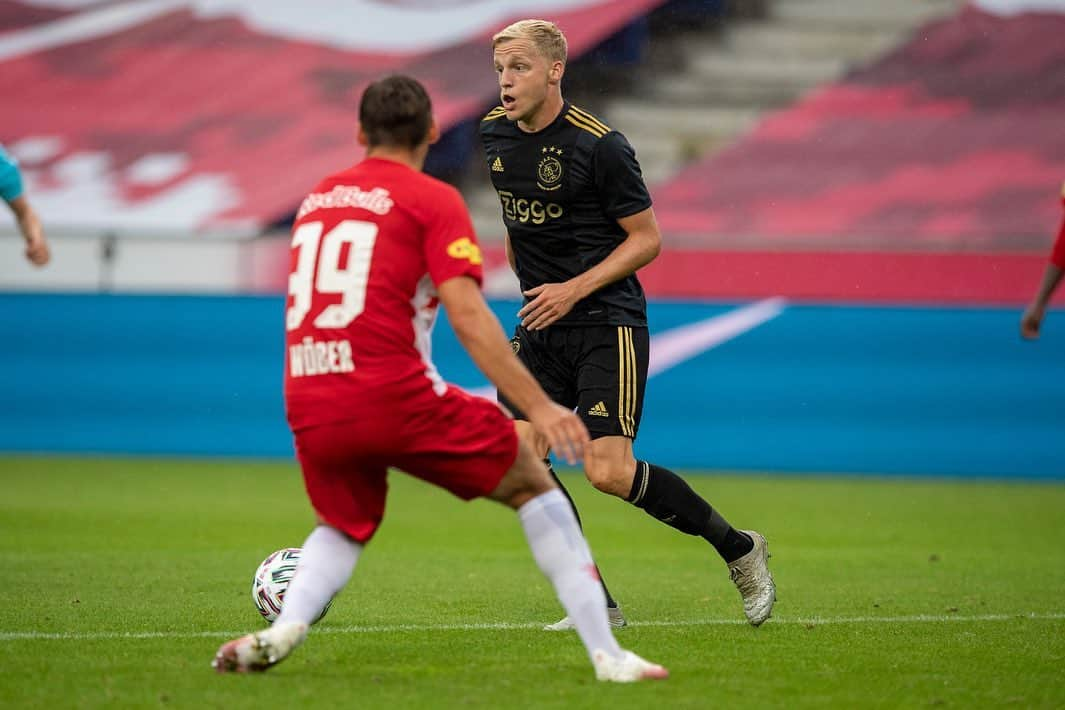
(608, 476)
(526, 479)
(535, 440)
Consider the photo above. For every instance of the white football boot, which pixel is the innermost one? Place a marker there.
(629, 668)
(751, 576)
(259, 651)
(614, 616)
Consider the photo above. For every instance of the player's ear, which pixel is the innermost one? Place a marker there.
(434, 131)
(554, 75)
(363, 140)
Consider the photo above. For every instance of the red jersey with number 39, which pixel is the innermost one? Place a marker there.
(369, 246)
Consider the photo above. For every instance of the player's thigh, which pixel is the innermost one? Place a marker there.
(461, 443)
(611, 379)
(544, 354)
(346, 486)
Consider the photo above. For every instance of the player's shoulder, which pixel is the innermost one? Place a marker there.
(493, 115)
(588, 124)
(494, 122)
(436, 186)
(387, 173)
(423, 195)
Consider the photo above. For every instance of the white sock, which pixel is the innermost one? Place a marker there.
(327, 560)
(563, 556)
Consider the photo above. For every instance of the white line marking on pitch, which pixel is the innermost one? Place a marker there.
(676, 345)
(503, 626)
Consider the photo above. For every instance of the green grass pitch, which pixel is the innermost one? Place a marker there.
(122, 576)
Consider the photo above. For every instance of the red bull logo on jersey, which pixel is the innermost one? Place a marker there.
(376, 200)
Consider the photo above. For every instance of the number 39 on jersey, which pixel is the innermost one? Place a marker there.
(350, 280)
(319, 357)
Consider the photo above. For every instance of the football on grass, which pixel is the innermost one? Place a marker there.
(272, 579)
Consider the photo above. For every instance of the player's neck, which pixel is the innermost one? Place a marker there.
(413, 159)
(545, 116)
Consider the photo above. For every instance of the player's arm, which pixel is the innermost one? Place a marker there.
(1033, 315)
(30, 225)
(639, 248)
(480, 333)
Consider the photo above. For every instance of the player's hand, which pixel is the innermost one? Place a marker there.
(564, 430)
(549, 303)
(37, 251)
(1030, 322)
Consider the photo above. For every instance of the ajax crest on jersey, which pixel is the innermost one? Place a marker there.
(272, 579)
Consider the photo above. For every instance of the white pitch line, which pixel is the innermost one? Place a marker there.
(503, 626)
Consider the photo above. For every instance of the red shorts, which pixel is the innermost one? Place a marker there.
(462, 443)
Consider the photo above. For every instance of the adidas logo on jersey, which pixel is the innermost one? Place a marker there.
(599, 410)
(497, 165)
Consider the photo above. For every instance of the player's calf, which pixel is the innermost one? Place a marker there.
(667, 497)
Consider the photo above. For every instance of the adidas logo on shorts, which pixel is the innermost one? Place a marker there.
(599, 410)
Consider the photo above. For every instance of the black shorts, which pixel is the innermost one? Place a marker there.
(600, 371)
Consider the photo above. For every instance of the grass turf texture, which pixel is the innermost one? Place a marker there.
(122, 577)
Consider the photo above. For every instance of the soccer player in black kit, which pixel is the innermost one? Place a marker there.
(579, 224)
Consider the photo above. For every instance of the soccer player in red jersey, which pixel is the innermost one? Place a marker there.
(1033, 315)
(375, 249)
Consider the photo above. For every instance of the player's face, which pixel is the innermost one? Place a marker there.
(524, 78)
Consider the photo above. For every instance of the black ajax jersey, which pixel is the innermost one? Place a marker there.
(562, 190)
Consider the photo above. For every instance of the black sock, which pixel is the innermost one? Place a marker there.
(667, 497)
(610, 602)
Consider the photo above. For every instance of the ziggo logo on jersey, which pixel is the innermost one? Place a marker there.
(525, 211)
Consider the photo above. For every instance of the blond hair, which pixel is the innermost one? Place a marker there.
(545, 36)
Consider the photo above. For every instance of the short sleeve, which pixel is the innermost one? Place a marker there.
(618, 179)
(451, 248)
(10, 178)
